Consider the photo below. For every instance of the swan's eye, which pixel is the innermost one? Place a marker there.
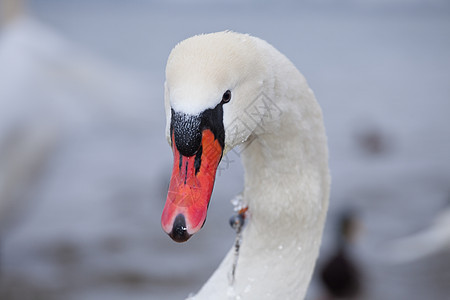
(226, 97)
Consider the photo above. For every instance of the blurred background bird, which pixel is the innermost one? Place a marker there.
(340, 275)
(428, 241)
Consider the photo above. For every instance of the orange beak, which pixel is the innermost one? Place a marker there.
(190, 188)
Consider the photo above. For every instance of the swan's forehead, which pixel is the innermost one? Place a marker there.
(193, 97)
(200, 69)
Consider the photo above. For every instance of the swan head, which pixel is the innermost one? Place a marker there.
(211, 80)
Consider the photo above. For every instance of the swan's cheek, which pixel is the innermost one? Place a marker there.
(190, 189)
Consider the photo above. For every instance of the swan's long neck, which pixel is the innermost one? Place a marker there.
(286, 190)
(287, 194)
(286, 175)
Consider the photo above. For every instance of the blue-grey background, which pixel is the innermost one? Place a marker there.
(85, 165)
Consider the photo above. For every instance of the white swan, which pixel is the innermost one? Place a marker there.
(225, 89)
(426, 242)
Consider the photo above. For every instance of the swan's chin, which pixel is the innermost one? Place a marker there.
(190, 188)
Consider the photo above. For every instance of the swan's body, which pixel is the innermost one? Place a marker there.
(274, 114)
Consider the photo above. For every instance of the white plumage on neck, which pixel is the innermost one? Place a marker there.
(285, 161)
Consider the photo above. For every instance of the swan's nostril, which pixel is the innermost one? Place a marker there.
(179, 231)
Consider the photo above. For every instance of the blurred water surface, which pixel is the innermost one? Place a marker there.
(85, 166)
